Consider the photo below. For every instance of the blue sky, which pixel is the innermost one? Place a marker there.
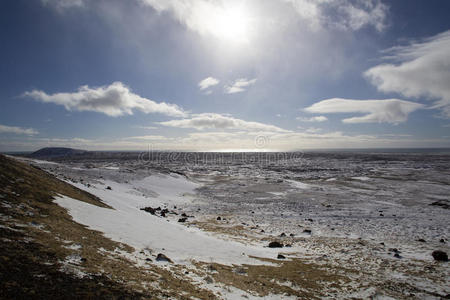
(218, 75)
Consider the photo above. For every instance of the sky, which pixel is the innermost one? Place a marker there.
(216, 75)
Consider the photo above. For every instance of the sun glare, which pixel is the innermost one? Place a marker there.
(232, 24)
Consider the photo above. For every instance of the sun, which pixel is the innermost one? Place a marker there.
(233, 24)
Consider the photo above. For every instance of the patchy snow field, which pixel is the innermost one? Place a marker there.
(380, 215)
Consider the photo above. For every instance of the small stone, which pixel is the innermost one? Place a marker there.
(108, 188)
(275, 244)
(421, 240)
(281, 256)
(440, 255)
(162, 257)
(396, 255)
(307, 231)
(182, 220)
(219, 219)
(283, 234)
(442, 241)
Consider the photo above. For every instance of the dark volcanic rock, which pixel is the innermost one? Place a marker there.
(108, 188)
(275, 244)
(421, 240)
(149, 210)
(441, 203)
(182, 220)
(281, 256)
(440, 255)
(162, 257)
(307, 231)
(283, 234)
(219, 218)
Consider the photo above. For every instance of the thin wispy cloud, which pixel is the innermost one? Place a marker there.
(17, 130)
(239, 85)
(207, 83)
(313, 119)
(218, 121)
(422, 70)
(343, 14)
(392, 111)
(113, 100)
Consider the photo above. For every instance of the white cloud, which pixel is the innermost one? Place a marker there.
(217, 18)
(423, 70)
(239, 85)
(17, 130)
(208, 82)
(218, 121)
(376, 111)
(344, 14)
(113, 100)
(313, 119)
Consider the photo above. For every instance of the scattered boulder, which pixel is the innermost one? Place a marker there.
(441, 203)
(421, 240)
(184, 215)
(442, 241)
(395, 250)
(396, 255)
(281, 256)
(219, 218)
(283, 234)
(440, 255)
(275, 244)
(307, 231)
(292, 235)
(182, 220)
(108, 188)
(162, 257)
(149, 210)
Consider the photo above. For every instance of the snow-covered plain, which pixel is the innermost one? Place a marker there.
(128, 224)
(350, 210)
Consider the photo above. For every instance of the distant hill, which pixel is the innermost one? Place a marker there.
(54, 152)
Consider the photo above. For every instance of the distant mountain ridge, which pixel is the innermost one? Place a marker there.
(53, 152)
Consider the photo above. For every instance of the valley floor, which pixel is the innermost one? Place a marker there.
(186, 233)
